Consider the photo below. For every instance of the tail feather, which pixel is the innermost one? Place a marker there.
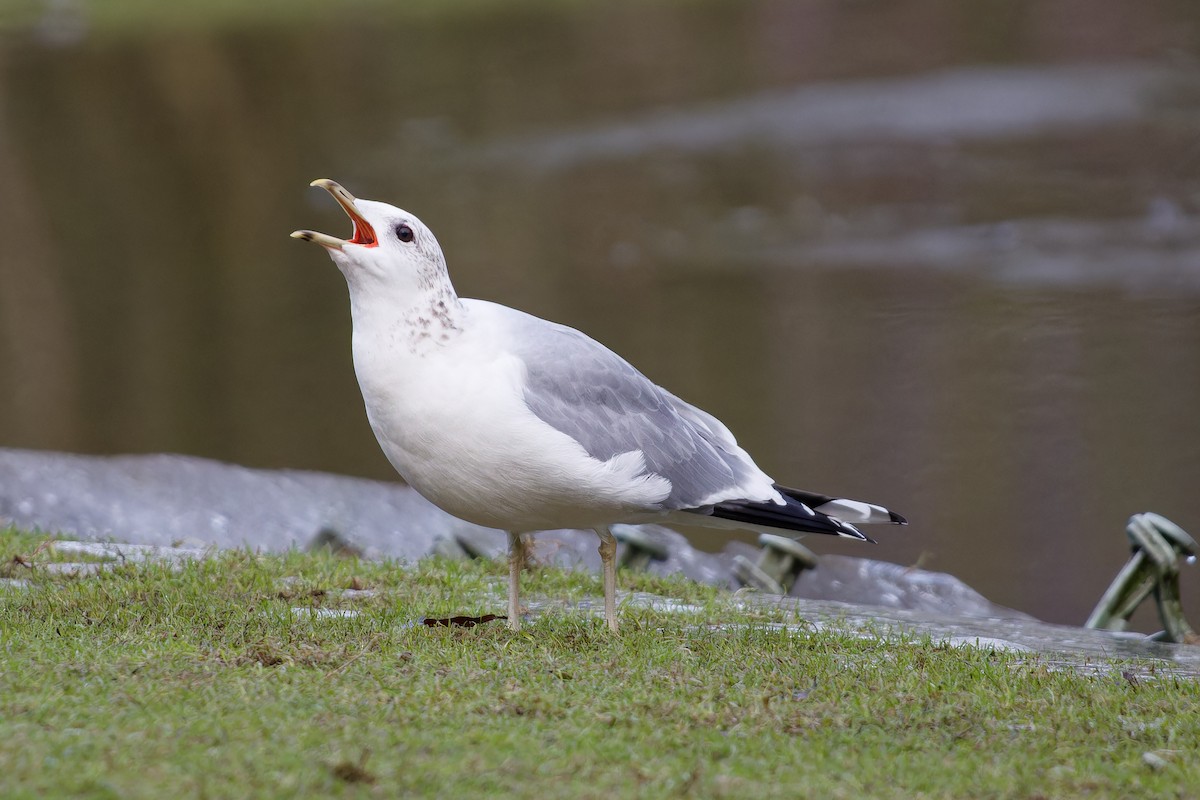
(843, 509)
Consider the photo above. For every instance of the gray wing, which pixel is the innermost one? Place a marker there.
(581, 388)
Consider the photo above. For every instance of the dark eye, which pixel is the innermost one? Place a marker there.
(404, 233)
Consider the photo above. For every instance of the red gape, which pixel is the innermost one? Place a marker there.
(364, 234)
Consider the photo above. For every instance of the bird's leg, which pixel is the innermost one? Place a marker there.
(516, 561)
(608, 558)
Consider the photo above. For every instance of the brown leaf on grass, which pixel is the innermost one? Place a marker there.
(9, 569)
(265, 655)
(274, 653)
(460, 621)
(292, 593)
(350, 772)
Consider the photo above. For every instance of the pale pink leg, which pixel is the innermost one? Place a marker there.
(516, 561)
(608, 558)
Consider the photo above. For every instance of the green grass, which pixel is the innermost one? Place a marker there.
(205, 682)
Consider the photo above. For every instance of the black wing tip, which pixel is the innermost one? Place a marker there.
(791, 516)
(848, 531)
(897, 519)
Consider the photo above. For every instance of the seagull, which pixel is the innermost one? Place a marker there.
(510, 421)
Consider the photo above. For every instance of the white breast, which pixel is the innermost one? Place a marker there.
(453, 422)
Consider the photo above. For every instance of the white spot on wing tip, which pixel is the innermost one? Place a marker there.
(849, 531)
(855, 510)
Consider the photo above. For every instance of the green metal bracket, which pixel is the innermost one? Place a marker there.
(329, 539)
(1158, 547)
(640, 548)
(460, 547)
(779, 565)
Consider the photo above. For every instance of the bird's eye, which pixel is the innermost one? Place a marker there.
(404, 233)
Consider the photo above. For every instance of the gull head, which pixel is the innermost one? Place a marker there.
(389, 247)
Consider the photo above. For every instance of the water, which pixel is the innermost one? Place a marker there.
(948, 262)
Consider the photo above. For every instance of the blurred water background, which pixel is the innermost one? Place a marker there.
(938, 255)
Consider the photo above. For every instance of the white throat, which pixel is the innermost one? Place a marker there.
(417, 324)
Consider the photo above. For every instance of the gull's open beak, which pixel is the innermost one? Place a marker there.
(364, 234)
